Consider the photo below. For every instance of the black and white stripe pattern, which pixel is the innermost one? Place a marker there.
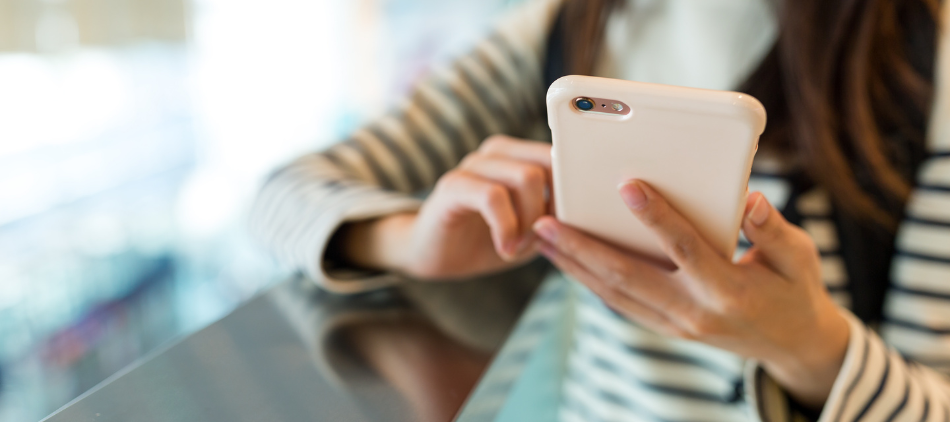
(495, 89)
(616, 370)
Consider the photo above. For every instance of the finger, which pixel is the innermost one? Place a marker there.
(614, 298)
(491, 200)
(678, 238)
(523, 150)
(525, 180)
(518, 149)
(632, 275)
(784, 246)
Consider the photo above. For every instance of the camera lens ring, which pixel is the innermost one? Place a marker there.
(584, 104)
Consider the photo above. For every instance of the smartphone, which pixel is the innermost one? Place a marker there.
(694, 146)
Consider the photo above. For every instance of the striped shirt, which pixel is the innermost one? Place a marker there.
(615, 369)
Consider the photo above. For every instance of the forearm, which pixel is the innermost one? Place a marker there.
(375, 244)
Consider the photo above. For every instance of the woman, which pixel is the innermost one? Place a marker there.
(856, 153)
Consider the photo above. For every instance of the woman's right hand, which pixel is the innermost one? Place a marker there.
(477, 219)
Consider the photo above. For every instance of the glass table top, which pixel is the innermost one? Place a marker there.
(295, 352)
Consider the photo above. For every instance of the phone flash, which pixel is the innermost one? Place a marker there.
(618, 107)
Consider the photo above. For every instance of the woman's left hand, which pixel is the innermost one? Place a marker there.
(770, 306)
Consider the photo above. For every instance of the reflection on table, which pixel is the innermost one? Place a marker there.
(412, 353)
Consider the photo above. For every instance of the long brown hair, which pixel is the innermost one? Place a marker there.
(848, 88)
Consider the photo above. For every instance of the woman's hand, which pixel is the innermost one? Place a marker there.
(477, 219)
(770, 306)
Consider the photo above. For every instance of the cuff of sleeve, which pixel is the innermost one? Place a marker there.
(769, 400)
(765, 397)
(343, 280)
(851, 369)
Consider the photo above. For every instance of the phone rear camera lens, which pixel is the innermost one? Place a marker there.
(584, 104)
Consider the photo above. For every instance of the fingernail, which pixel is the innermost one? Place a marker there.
(545, 229)
(632, 194)
(760, 211)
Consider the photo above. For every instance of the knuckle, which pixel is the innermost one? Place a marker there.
(614, 277)
(470, 159)
(531, 176)
(493, 143)
(786, 233)
(780, 234)
(617, 275)
(736, 303)
(684, 247)
(652, 215)
(495, 195)
(703, 325)
(569, 243)
(797, 239)
(448, 179)
(774, 236)
(622, 272)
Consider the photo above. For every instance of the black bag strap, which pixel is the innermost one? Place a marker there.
(555, 65)
(555, 59)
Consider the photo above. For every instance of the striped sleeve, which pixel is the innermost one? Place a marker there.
(901, 374)
(496, 88)
(876, 383)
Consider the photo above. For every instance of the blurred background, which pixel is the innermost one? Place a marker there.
(133, 135)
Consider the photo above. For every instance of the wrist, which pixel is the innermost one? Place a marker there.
(808, 370)
(380, 243)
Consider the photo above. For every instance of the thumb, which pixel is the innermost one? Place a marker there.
(784, 246)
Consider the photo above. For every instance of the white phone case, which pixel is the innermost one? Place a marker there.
(694, 146)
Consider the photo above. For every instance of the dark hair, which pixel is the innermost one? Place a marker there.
(848, 87)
